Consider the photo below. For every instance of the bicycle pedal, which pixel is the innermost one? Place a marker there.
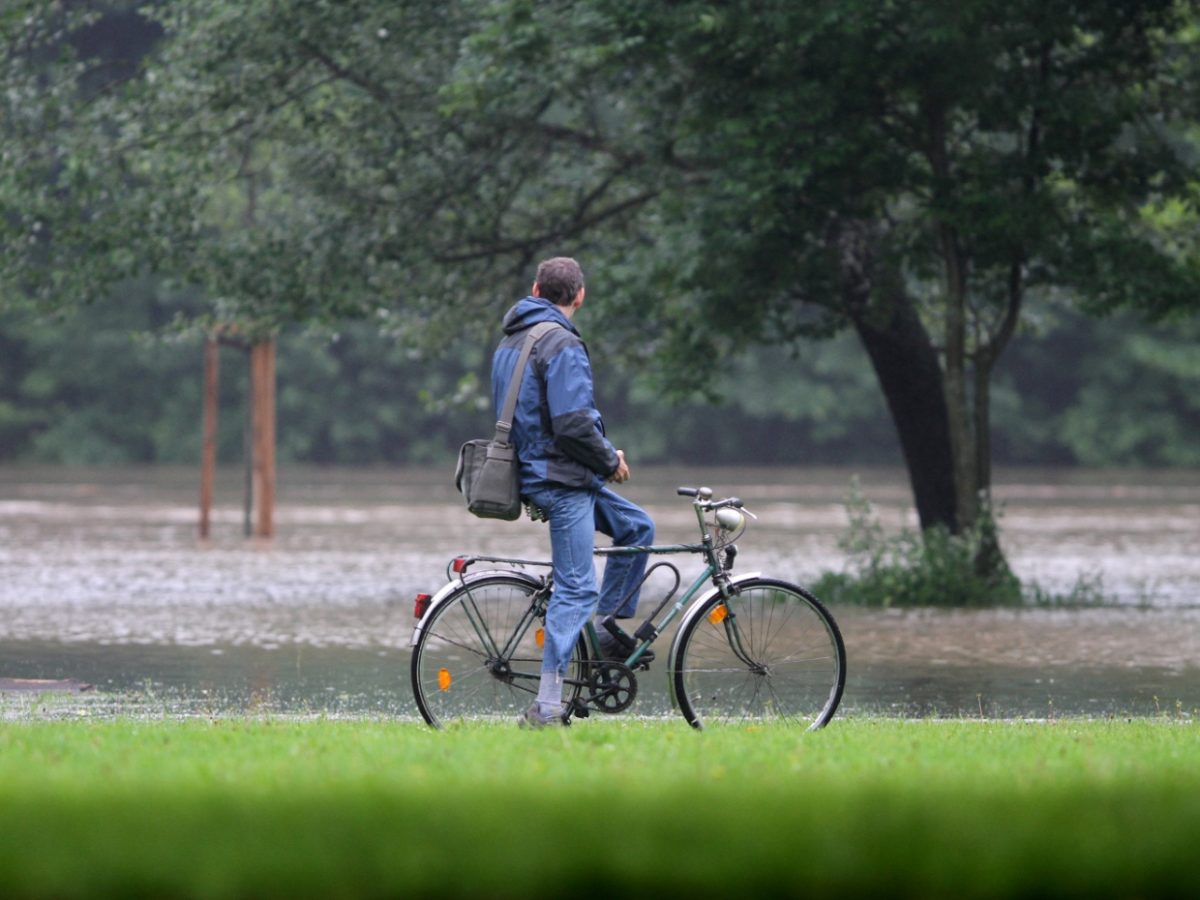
(579, 710)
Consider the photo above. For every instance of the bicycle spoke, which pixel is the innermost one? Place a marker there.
(775, 654)
(478, 657)
(471, 610)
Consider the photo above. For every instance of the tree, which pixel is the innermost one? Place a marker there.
(771, 171)
(917, 170)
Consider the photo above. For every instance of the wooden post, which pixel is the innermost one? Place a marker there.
(208, 451)
(248, 448)
(262, 369)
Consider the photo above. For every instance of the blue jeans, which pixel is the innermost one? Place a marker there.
(575, 516)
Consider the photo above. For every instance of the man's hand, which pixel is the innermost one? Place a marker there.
(622, 473)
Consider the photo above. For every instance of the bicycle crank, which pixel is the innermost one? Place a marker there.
(611, 686)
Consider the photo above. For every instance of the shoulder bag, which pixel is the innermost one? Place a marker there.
(488, 473)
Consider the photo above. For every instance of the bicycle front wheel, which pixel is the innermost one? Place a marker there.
(771, 651)
(480, 654)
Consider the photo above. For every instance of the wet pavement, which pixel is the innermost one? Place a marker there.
(102, 580)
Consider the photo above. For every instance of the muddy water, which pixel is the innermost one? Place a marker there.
(102, 579)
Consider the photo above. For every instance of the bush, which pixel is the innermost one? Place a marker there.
(929, 568)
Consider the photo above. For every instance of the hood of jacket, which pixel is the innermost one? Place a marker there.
(532, 310)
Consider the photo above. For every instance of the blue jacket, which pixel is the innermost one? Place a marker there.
(557, 429)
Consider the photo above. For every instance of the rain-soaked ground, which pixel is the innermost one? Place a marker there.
(103, 581)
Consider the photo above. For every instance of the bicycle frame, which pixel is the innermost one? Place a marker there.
(648, 632)
(715, 571)
(743, 646)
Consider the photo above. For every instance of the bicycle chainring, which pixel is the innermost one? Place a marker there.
(612, 686)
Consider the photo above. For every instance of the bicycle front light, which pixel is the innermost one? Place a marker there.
(729, 519)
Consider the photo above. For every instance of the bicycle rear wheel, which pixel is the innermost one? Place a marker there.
(771, 651)
(480, 654)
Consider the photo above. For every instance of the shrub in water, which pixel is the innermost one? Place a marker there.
(915, 568)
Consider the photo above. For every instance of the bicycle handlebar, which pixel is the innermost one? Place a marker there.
(703, 494)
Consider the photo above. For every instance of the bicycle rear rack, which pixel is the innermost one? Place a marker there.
(459, 565)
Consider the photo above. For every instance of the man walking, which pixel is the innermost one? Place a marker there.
(566, 462)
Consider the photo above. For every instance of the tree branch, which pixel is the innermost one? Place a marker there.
(378, 91)
(580, 224)
(596, 143)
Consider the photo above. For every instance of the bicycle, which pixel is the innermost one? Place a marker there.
(748, 647)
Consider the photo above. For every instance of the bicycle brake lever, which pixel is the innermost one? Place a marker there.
(735, 503)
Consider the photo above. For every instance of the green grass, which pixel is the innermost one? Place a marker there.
(247, 808)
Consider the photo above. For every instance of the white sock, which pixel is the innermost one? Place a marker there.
(550, 691)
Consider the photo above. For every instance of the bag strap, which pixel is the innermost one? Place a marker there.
(504, 423)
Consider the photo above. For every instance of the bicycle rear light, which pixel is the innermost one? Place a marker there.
(421, 604)
(460, 564)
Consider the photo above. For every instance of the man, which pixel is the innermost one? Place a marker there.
(566, 461)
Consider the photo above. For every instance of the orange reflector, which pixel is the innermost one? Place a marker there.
(540, 637)
(444, 679)
(717, 616)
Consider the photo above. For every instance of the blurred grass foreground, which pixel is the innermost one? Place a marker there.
(321, 808)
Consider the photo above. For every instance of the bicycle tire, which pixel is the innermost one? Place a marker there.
(772, 651)
(456, 672)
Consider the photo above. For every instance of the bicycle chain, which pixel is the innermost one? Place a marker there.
(612, 686)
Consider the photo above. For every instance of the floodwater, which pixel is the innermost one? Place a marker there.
(103, 580)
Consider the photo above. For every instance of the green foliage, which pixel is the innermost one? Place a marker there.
(84, 389)
(406, 164)
(930, 568)
(1138, 405)
(913, 567)
(42, 198)
(236, 808)
(1109, 392)
(827, 408)
(101, 386)
(105, 384)
(303, 161)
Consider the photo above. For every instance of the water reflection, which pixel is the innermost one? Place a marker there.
(102, 580)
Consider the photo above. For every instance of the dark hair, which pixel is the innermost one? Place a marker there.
(559, 280)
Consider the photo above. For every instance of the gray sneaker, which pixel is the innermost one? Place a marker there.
(533, 718)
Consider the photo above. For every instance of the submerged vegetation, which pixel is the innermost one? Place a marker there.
(932, 568)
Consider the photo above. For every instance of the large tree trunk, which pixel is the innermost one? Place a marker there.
(906, 364)
(954, 319)
(962, 432)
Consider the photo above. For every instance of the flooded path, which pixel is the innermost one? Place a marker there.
(102, 581)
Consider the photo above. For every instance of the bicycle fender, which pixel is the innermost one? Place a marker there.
(452, 587)
(693, 611)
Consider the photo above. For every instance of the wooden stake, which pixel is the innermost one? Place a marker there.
(208, 451)
(248, 448)
(262, 367)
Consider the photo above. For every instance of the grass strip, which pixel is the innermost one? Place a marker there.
(247, 808)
